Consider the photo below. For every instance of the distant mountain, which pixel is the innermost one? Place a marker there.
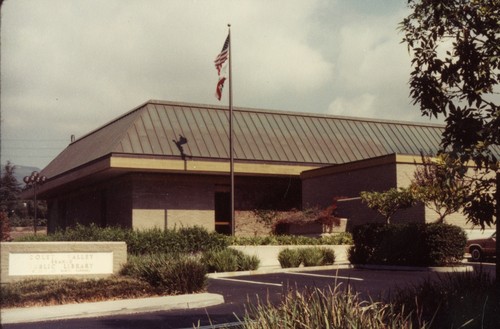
(21, 171)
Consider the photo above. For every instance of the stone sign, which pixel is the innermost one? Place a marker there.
(22, 260)
(60, 263)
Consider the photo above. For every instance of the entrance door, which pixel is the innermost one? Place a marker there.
(223, 212)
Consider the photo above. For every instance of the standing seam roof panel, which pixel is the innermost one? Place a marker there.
(162, 134)
(221, 123)
(369, 128)
(274, 146)
(310, 138)
(304, 150)
(338, 140)
(321, 137)
(349, 140)
(281, 140)
(363, 142)
(149, 125)
(208, 119)
(192, 143)
(288, 138)
(198, 131)
(386, 133)
(338, 152)
(243, 133)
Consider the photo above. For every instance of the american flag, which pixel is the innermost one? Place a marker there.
(223, 56)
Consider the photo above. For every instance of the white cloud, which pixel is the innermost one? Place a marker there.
(360, 103)
(373, 70)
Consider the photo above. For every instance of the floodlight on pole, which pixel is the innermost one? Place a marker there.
(34, 181)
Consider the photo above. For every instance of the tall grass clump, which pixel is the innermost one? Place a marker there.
(169, 274)
(311, 256)
(455, 300)
(289, 258)
(330, 308)
(229, 260)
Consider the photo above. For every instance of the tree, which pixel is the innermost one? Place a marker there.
(388, 202)
(456, 73)
(9, 189)
(437, 185)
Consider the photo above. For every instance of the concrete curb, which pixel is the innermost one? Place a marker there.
(115, 307)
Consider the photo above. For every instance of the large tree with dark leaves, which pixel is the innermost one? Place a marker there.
(455, 48)
(9, 189)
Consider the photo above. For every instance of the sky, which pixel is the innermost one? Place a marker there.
(70, 66)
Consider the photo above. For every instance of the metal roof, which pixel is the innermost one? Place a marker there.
(260, 135)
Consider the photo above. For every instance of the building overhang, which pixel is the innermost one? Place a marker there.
(361, 164)
(115, 165)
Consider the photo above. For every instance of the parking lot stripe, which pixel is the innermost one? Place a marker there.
(327, 276)
(254, 282)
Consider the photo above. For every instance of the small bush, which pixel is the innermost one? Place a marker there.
(248, 263)
(407, 244)
(170, 275)
(311, 256)
(229, 260)
(328, 256)
(289, 258)
(220, 261)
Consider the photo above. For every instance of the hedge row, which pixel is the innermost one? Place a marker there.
(153, 241)
(283, 240)
(408, 244)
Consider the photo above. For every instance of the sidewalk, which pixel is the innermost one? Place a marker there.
(115, 307)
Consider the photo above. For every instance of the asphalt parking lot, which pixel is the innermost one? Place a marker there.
(238, 291)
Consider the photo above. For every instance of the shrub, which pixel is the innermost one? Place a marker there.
(229, 260)
(311, 256)
(407, 244)
(248, 263)
(445, 243)
(454, 300)
(328, 256)
(169, 274)
(289, 258)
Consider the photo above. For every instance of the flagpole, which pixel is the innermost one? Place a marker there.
(231, 135)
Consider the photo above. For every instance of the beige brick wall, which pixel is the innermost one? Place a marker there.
(319, 191)
(177, 218)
